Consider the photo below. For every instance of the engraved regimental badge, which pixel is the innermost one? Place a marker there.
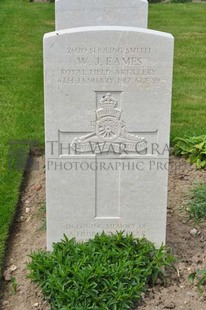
(109, 133)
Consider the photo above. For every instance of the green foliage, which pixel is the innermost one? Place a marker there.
(14, 285)
(180, 1)
(197, 203)
(154, 1)
(192, 148)
(107, 272)
(41, 215)
(200, 276)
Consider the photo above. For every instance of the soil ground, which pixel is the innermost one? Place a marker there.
(29, 234)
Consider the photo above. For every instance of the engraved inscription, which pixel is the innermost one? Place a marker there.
(108, 50)
(89, 230)
(108, 65)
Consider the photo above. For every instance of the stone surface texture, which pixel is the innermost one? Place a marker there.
(81, 13)
(107, 114)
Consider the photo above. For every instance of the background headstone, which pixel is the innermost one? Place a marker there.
(81, 13)
(109, 88)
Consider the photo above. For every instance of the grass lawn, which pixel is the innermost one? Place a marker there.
(186, 22)
(21, 89)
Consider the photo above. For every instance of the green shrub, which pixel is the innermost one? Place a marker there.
(180, 1)
(197, 203)
(192, 148)
(107, 272)
(200, 276)
(154, 1)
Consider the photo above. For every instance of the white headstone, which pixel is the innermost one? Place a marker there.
(81, 13)
(107, 100)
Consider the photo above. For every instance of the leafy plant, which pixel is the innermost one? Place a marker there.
(154, 1)
(107, 272)
(180, 1)
(192, 148)
(14, 285)
(197, 203)
(200, 275)
(41, 215)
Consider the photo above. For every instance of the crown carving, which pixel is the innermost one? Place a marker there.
(108, 100)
